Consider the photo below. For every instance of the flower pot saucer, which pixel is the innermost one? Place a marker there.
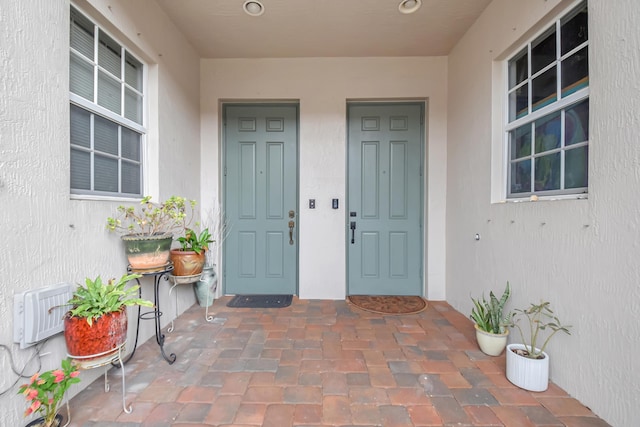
(168, 266)
(181, 280)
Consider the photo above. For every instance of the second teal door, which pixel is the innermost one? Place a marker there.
(385, 199)
(260, 199)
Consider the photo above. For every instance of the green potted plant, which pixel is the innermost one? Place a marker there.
(147, 229)
(189, 258)
(96, 324)
(45, 391)
(491, 322)
(527, 362)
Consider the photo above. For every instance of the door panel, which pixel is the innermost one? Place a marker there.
(385, 199)
(260, 189)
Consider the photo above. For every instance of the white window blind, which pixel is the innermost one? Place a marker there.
(106, 117)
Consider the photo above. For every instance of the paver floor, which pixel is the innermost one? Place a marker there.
(321, 363)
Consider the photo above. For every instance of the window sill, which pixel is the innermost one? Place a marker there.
(534, 198)
(90, 197)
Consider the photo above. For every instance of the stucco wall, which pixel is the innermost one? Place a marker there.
(582, 255)
(322, 86)
(48, 237)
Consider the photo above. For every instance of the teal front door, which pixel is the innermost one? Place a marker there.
(260, 199)
(385, 199)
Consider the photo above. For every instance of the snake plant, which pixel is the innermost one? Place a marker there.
(488, 315)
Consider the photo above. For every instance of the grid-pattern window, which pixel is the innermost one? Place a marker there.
(107, 95)
(548, 111)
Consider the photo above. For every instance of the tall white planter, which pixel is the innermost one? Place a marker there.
(529, 374)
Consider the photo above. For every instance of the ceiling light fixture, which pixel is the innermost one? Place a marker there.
(253, 7)
(409, 6)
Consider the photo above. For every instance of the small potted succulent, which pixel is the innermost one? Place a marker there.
(147, 229)
(527, 363)
(189, 258)
(45, 391)
(491, 322)
(96, 324)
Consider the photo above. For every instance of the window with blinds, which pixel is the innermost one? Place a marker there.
(107, 129)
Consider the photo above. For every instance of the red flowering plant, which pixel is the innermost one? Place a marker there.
(45, 391)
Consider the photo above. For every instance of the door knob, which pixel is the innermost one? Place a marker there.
(292, 224)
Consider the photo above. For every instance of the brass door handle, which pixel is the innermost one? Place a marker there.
(292, 224)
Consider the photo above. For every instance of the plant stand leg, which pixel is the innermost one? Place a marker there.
(125, 408)
(207, 317)
(175, 283)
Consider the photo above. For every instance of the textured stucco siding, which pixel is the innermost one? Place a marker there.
(49, 237)
(581, 255)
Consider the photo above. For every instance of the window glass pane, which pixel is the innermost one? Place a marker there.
(81, 37)
(548, 132)
(576, 123)
(521, 177)
(80, 170)
(549, 154)
(576, 167)
(543, 51)
(108, 92)
(543, 89)
(132, 106)
(80, 127)
(81, 77)
(133, 72)
(518, 68)
(130, 178)
(575, 72)
(521, 142)
(106, 174)
(130, 144)
(109, 55)
(519, 103)
(105, 136)
(547, 172)
(574, 30)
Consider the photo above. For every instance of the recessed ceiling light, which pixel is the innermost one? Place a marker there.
(409, 6)
(253, 7)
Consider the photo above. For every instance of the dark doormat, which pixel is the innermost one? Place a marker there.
(388, 304)
(260, 301)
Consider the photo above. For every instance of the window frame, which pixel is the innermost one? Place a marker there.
(559, 106)
(96, 110)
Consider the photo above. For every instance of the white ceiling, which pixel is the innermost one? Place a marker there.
(322, 28)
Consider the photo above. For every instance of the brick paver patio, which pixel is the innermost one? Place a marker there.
(321, 363)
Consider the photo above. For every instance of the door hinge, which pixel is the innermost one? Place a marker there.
(225, 171)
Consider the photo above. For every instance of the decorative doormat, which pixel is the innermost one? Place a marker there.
(388, 304)
(260, 301)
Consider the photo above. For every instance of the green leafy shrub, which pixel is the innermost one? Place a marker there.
(97, 298)
(540, 318)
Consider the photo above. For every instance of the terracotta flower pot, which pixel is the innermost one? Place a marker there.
(187, 263)
(101, 338)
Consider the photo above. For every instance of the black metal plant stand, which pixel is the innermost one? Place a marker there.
(155, 314)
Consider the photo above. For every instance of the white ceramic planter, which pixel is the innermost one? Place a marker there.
(491, 344)
(529, 374)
